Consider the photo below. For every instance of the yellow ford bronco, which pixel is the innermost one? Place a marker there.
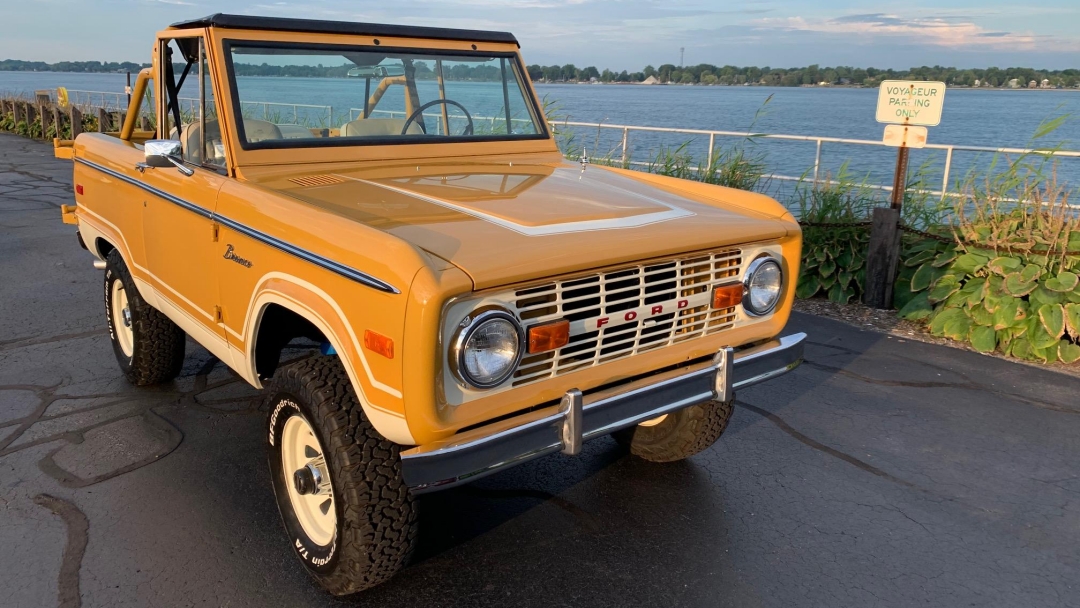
(393, 198)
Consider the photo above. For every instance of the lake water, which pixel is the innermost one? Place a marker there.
(996, 118)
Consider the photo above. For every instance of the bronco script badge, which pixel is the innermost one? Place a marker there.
(229, 255)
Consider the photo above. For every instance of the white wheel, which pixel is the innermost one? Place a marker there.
(680, 434)
(148, 346)
(654, 421)
(311, 495)
(121, 318)
(352, 531)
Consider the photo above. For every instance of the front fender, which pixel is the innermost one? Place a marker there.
(381, 401)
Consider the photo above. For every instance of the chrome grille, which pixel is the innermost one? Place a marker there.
(619, 290)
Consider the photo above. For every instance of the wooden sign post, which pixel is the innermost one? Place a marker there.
(908, 107)
(75, 115)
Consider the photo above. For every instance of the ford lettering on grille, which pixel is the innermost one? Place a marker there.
(645, 314)
(624, 311)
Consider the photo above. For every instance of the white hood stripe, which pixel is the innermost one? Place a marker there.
(645, 219)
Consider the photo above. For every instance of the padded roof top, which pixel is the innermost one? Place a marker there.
(343, 27)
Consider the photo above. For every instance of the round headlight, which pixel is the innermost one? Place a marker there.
(762, 286)
(488, 349)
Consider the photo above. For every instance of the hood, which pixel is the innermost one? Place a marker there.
(506, 223)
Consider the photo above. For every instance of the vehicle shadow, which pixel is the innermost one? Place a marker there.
(557, 530)
(555, 525)
(601, 514)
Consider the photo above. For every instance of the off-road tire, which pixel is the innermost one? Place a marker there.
(681, 434)
(376, 517)
(157, 343)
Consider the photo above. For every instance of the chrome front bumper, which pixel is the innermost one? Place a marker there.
(468, 456)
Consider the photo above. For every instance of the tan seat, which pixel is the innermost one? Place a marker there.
(190, 141)
(378, 127)
(295, 132)
(260, 130)
(255, 130)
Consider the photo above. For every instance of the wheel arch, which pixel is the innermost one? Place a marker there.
(102, 247)
(276, 327)
(282, 298)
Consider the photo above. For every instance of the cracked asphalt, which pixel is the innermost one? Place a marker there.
(883, 472)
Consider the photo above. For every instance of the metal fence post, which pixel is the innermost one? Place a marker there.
(712, 146)
(900, 178)
(945, 178)
(817, 162)
(625, 149)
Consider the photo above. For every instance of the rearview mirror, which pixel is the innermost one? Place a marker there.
(377, 71)
(165, 153)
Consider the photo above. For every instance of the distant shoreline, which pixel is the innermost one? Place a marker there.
(634, 84)
(777, 86)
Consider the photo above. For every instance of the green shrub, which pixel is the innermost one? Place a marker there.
(1010, 281)
(834, 213)
(731, 166)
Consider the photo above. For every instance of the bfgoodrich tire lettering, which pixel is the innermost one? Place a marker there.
(680, 434)
(148, 346)
(375, 529)
(319, 557)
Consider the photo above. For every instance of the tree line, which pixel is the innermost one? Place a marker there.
(16, 65)
(424, 70)
(812, 75)
(668, 73)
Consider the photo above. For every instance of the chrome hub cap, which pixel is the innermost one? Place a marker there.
(121, 318)
(310, 492)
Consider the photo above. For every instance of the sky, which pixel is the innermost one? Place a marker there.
(616, 34)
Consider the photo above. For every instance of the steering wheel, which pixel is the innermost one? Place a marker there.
(419, 111)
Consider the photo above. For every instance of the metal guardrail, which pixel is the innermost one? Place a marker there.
(119, 101)
(328, 111)
(355, 113)
(109, 100)
(818, 143)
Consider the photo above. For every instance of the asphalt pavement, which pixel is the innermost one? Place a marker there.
(883, 472)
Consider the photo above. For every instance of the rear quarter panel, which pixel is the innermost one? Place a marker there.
(109, 208)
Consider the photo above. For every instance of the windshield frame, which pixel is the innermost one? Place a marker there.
(513, 60)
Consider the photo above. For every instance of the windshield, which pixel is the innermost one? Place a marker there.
(308, 96)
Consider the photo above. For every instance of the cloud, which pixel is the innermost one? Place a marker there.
(944, 31)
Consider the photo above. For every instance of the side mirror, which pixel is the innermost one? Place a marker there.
(165, 153)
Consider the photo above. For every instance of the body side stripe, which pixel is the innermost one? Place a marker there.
(335, 267)
(152, 190)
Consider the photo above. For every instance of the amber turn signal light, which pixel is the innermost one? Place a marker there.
(548, 336)
(727, 296)
(378, 343)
